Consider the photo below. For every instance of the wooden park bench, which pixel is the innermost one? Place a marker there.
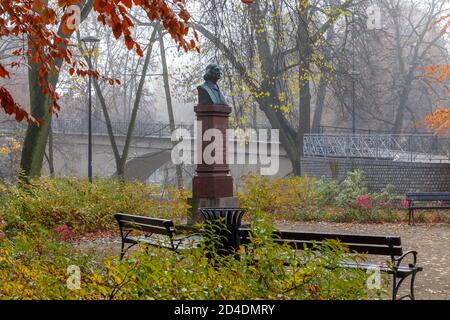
(417, 201)
(152, 231)
(363, 244)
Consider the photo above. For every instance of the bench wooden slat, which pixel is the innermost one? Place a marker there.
(128, 225)
(379, 245)
(144, 220)
(428, 196)
(345, 238)
(430, 208)
(358, 248)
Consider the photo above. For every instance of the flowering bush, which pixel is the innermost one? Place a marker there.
(364, 201)
(405, 204)
(64, 232)
(306, 198)
(351, 188)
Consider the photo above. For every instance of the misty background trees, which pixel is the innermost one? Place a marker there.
(301, 66)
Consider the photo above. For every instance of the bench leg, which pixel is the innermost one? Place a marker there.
(413, 279)
(122, 250)
(411, 221)
(396, 286)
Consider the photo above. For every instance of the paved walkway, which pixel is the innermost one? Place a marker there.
(431, 241)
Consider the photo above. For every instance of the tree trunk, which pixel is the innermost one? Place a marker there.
(179, 172)
(36, 136)
(304, 124)
(320, 102)
(322, 89)
(397, 128)
(51, 163)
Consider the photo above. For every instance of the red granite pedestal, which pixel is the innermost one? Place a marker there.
(212, 186)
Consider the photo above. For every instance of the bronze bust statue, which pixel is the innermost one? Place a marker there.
(209, 93)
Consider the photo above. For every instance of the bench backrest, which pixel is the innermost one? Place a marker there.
(128, 222)
(369, 244)
(428, 196)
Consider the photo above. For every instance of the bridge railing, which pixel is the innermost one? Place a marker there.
(141, 129)
(406, 147)
(80, 126)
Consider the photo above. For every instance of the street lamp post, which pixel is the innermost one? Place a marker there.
(90, 44)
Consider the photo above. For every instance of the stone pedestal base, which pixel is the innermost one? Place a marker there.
(212, 187)
(194, 216)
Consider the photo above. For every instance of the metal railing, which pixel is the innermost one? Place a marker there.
(120, 128)
(346, 130)
(78, 126)
(402, 147)
(141, 129)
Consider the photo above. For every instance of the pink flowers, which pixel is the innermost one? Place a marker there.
(64, 232)
(364, 201)
(405, 204)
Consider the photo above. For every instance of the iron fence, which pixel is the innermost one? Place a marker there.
(402, 147)
(120, 128)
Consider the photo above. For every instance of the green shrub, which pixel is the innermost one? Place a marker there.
(311, 199)
(259, 273)
(328, 189)
(284, 198)
(351, 188)
(86, 207)
(33, 265)
(34, 261)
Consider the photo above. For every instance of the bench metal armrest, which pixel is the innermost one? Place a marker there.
(398, 260)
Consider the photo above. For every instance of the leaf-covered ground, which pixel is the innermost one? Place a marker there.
(430, 240)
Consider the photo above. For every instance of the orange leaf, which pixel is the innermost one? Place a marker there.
(3, 72)
(127, 3)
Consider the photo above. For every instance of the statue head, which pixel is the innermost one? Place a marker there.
(213, 73)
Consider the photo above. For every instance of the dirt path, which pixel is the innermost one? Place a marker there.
(431, 241)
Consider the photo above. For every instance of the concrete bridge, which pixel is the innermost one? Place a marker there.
(149, 155)
(151, 145)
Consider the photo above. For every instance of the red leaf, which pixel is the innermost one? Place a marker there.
(127, 3)
(3, 72)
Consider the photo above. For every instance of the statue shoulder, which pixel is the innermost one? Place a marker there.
(205, 85)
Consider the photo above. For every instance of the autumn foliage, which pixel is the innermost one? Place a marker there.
(34, 22)
(439, 121)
